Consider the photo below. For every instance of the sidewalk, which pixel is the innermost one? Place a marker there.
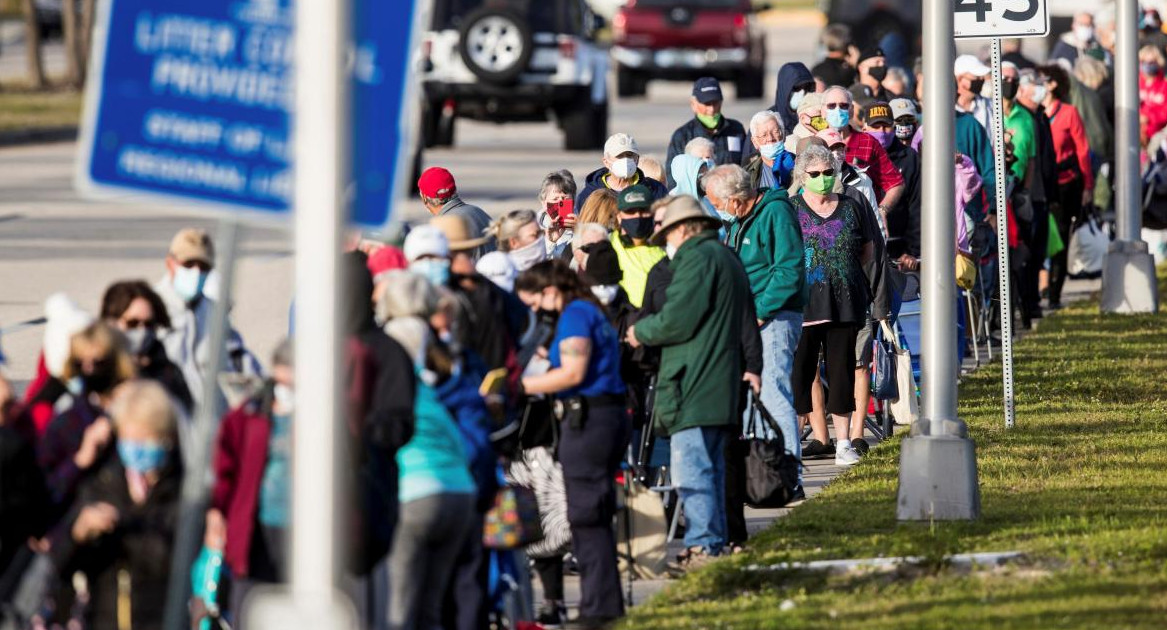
(818, 474)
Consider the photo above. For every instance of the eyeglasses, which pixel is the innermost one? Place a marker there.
(836, 105)
(197, 264)
(830, 172)
(134, 324)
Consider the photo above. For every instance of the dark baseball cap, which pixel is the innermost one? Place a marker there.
(707, 90)
(870, 53)
(634, 198)
(878, 111)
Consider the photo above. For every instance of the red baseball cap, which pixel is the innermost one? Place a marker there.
(385, 259)
(436, 183)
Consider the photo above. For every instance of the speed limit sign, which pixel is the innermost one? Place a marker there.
(986, 19)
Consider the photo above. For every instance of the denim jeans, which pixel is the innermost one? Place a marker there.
(698, 458)
(780, 338)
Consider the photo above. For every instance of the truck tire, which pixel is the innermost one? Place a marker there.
(630, 83)
(444, 130)
(495, 45)
(429, 123)
(585, 126)
(751, 83)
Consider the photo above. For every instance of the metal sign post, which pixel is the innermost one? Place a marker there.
(1005, 287)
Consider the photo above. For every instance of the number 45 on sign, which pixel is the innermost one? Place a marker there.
(976, 19)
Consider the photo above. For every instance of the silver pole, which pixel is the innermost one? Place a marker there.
(1129, 284)
(192, 510)
(1005, 288)
(938, 248)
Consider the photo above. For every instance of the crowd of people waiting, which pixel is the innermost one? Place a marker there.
(749, 268)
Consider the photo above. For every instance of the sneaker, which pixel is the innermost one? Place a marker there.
(798, 499)
(861, 446)
(846, 457)
(815, 449)
(552, 615)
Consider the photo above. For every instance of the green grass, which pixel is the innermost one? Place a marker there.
(1079, 486)
(21, 109)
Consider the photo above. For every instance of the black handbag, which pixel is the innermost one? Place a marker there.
(771, 472)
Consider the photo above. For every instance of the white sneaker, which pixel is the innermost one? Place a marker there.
(846, 456)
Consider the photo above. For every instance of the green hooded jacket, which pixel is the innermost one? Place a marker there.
(699, 331)
(769, 242)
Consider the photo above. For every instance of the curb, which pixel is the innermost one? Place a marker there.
(37, 136)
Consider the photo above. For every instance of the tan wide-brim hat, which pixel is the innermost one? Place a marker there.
(457, 232)
(680, 209)
(192, 244)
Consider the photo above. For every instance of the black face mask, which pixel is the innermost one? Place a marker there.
(99, 382)
(638, 228)
(878, 73)
(1009, 89)
(976, 85)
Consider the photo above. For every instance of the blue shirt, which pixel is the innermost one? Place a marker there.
(584, 319)
(273, 491)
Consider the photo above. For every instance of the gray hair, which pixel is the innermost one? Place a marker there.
(764, 115)
(585, 230)
(508, 225)
(699, 143)
(1029, 76)
(840, 88)
(561, 180)
(900, 75)
(729, 181)
(836, 37)
(814, 154)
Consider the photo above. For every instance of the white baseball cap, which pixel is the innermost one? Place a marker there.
(498, 268)
(903, 107)
(969, 64)
(426, 240)
(620, 143)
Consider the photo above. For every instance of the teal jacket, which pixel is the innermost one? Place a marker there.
(434, 461)
(769, 242)
(699, 331)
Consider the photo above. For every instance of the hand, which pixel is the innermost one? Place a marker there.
(93, 521)
(761, 323)
(216, 532)
(909, 262)
(992, 221)
(569, 221)
(1087, 198)
(96, 436)
(754, 380)
(631, 337)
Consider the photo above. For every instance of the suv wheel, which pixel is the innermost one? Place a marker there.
(751, 83)
(495, 44)
(630, 82)
(585, 125)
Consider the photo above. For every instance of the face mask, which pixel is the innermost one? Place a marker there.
(726, 217)
(605, 293)
(189, 283)
(840, 155)
(528, 256)
(1039, 92)
(140, 339)
(796, 99)
(1084, 33)
(905, 132)
(670, 250)
(820, 185)
(1009, 90)
(838, 118)
(818, 123)
(709, 122)
(285, 398)
(623, 168)
(99, 382)
(75, 386)
(976, 85)
(437, 271)
(1150, 69)
(879, 73)
(638, 228)
(141, 457)
(772, 151)
(884, 137)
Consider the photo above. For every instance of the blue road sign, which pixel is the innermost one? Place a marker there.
(190, 102)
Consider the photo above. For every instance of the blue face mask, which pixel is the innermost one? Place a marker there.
(141, 457)
(435, 270)
(838, 118)
(796, 99)
(189, 283)
(772, 151)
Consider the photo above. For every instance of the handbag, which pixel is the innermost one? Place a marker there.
(905, 408)
(771, 472)
(513, 521)
(883, 372)
(1088, 246)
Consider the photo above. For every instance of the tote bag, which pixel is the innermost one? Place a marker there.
(905, 408)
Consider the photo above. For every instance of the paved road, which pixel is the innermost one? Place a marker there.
(50, 240)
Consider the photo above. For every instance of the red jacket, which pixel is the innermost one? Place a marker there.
(1153, 104)
(1070, 144)
(239, 461)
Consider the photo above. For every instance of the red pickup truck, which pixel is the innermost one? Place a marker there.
(683, 40)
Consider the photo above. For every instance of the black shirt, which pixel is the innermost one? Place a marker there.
(837, 286)
(835, 72)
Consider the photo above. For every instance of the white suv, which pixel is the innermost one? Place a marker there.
(513, 61)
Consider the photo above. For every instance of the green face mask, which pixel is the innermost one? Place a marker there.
(818, 123)
(710, 122)
(820, 185)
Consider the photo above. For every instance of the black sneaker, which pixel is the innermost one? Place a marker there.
(861, 446)
(815, 449)
(552, 615)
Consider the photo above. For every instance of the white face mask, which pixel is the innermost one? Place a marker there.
(1039, 92)
(1084, 33)
(670, 250)
(285, 398)
(623, 167)
(528, 256)
(189, 282)
(796, 99)
(605, 293)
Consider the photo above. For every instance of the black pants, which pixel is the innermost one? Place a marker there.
(1037, 237)
(837, 343)
(736, 451)
(1070, 197)
(466, 597)
(590, 456)
(550, 572)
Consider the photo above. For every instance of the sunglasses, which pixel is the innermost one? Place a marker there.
(134, 324)
(830, 172)
(197, 264)
(837, 105)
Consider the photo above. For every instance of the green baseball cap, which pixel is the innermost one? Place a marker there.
(634, 198)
